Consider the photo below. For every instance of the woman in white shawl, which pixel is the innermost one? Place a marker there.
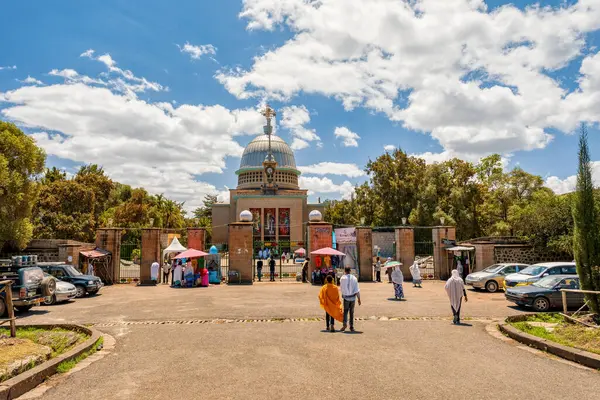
(398, 280)
(416, 274)
(455, 287)
(177, 274)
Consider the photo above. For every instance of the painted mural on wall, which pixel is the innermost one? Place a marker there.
(270, 226)
(256, 221)
(284, 222)
(321, 237)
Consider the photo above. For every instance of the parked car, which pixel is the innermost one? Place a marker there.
(64, 292)
(492, 278)
(535, 272)
(29, 287)
(84, 284)
(545, 293)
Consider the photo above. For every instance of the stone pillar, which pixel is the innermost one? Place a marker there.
(364, 246)
(442, 259)
(196, 238)
(240, 250)
(484, 256)
(405, 248)
(109, 239)
(319, 236)
(150, 254)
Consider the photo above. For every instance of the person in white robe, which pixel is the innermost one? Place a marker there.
(398, 280)
(416, 274)
(154, 271)
(455, 288)
(177, 274)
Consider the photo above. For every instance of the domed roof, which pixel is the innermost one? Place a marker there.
(257, 150)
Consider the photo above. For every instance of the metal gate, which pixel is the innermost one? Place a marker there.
(130, 258)
(218, 260)
(286, 268)
(424, 250)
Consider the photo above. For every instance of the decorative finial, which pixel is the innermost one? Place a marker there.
(268, 113)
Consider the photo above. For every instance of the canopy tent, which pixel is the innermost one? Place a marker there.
(301, 250)
(191, 253)
(174, 247)
(460, 248)
(327, 251)
(97, 262)
(96, 253)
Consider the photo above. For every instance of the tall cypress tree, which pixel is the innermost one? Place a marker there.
(586, 236)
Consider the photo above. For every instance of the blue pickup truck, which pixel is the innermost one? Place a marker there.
(29, 286)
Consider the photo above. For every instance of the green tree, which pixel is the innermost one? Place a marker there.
(20, 162)
(92, 176)
(586, 239)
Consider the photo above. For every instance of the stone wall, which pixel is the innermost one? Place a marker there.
(526, 254)
(385, 241)
(240, 250)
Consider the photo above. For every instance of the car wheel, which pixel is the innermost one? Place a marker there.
(50, 300)
(23, 308)
(3, 309)
(80, 291)
(541, 304)
(491, 286)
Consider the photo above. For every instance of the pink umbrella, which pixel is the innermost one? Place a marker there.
(191, 253)
(327, 251)
(300, 251)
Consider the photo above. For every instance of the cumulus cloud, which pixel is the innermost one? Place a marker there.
(349, 138)
(331, 168)
(569, 184)
(294, 118)
(72, 76)
(317, 185)
(31, 81)
(8, 67)
(197, 51)
(475, 80)
(389, 147)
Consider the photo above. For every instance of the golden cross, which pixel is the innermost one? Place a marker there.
(268, 113)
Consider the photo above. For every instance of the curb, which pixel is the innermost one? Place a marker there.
(24, 382)
(572, 354)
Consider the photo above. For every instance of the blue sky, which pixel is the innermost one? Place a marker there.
(398, 80)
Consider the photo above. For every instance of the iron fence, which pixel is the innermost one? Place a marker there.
(130, 261)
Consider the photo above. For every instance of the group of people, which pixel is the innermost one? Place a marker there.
(396, 276)
(259, 267)
(329, 298)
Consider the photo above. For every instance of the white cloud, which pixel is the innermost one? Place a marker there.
(299, 144)
(31, 81)
(389, 147)
(316, 185)
(475, 80)
(72, 76)
(197, 51)
(154, 145)
(88, 53)
(569, 184)
(331, 168)
(349, 138)
(8, 67)
(294, 118)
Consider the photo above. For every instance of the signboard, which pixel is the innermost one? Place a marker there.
(345, 235)
(449, 242)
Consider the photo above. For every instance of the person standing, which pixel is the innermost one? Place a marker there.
(378, 270)
(350, 294)
(459, 267)
(283, 257)
(398, 280)
(272, 268)
(455, 288)
(259, 267)
(305, 270)
(166, 269)
(416, 274)
(154, 271)
(388, 271)
(329, 298)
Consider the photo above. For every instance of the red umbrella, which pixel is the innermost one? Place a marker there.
(191, 253)
(327, 251)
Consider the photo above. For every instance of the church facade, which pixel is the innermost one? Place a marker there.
(268, 188)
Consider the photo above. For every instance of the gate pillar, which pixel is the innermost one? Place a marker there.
(110, 239)
(196, 238)
(405, 247)
(319, 236)
(241, 250)
(150, 254)
(364, 246)
(442, 259)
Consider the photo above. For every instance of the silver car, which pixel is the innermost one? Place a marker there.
(492, 278)
(64, 292)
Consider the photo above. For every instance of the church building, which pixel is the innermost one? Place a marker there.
(268, 188)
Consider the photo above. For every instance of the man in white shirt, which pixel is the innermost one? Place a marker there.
(350, 293)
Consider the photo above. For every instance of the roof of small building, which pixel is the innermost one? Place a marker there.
(257, 150)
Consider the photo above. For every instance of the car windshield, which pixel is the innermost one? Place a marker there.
(493, 268)
(72, 271)
(548, 282)
(533, 270)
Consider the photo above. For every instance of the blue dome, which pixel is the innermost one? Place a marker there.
(257, 150)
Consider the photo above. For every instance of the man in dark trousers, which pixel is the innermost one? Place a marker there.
(305, 270)
(259, 265)
(272, 268)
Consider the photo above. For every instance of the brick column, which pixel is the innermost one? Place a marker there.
(442, 259)
(405, 248)
(240, 250)
(364, 246)
(196, 238)
(110, 239)
(150, 254)
(319, 236)
(484, 256)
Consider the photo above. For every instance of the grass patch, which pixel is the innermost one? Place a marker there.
(565, 333)
(66, 366)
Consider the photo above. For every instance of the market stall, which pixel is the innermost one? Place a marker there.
(96, 262)
(194, 273)
(327, 262)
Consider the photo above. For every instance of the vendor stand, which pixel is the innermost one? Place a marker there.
(195, 274)
(325, 264)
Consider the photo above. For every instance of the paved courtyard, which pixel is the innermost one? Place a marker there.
(173, 344)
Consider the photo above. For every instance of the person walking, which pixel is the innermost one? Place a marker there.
(272, 268)
(455, 288)
(378, 270)
(388, 271)
(166, 271)
(416, 274)
(259, 267)
(398, 280)
(350, 294)
(459, 267)
(329, 298)
(305, 270)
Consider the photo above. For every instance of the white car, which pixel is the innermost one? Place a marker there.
(536, 272)
(64, 292)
